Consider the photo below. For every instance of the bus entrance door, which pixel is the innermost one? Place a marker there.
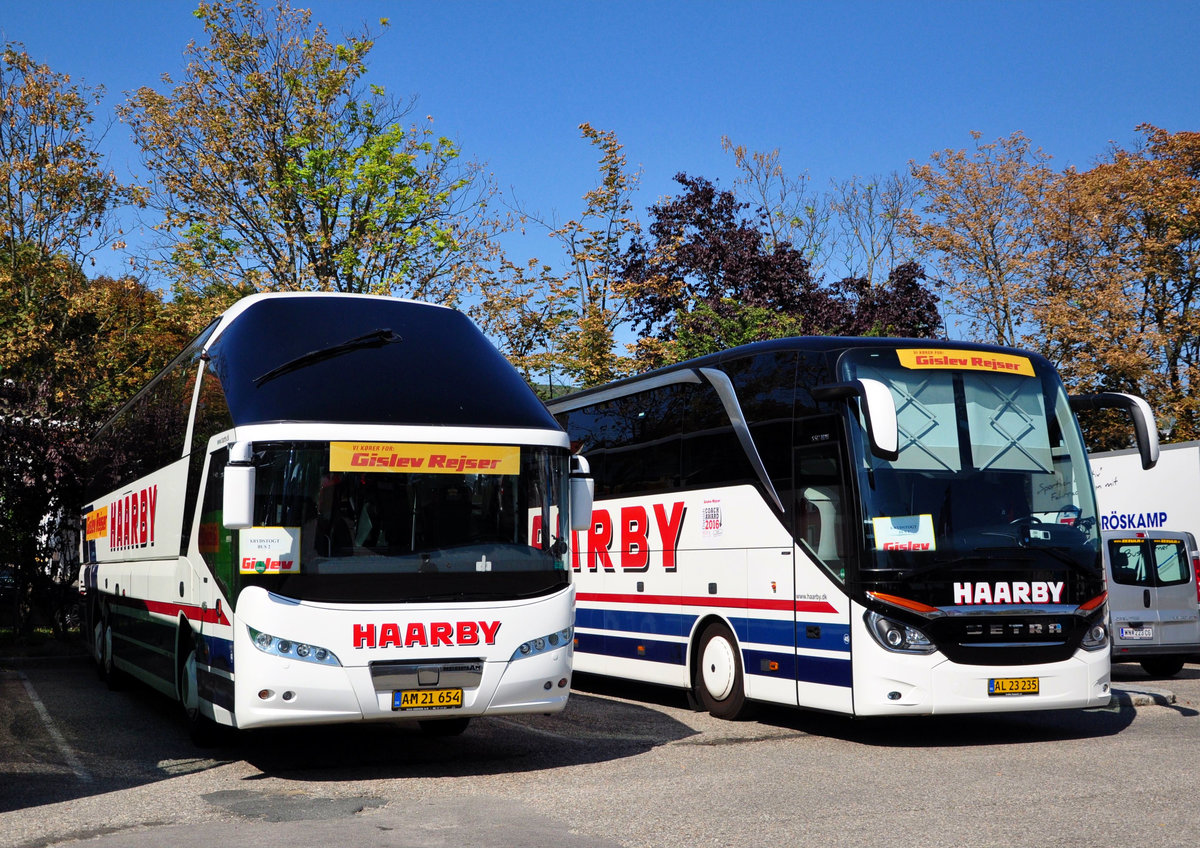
(823, 675)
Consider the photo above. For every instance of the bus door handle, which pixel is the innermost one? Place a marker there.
(1146, 598)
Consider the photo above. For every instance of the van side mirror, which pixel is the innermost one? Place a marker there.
(583, 490)
(238, 493)
(1145, 428)
(879, 410)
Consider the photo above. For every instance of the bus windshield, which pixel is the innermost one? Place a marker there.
(990, 460)
(357, 526)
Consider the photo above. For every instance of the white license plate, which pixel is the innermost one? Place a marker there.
(1137, 632)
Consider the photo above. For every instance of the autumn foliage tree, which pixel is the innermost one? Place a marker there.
(70, 347)
(1122, 280)
(277, 166)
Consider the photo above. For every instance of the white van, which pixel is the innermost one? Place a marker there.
(1153, 600)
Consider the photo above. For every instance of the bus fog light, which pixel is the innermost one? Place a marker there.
(288, 696)
(548, 686)
(302, 650)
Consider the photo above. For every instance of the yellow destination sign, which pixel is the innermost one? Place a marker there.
(97, 524)
(964, 360)
(403, 457)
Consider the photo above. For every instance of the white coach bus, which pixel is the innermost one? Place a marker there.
(332, 508)
(862, 526)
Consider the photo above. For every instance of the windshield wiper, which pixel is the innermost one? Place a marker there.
(375, 338)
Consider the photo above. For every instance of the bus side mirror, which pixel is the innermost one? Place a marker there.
(238, 493)
(583, 490)
(879, 410)
(1145, 428)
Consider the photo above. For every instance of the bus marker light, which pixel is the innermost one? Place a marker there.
(896, 600)
(265, 694)
(562, 682)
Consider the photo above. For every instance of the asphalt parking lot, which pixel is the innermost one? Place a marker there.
(622, 766)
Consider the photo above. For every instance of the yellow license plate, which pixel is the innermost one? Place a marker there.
(427, 699)
(1013, 685)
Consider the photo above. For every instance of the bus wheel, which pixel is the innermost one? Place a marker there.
(718, 679)
(98, 646)
(1162, 666)
(444, 726)
(202, 729)
(108, 670)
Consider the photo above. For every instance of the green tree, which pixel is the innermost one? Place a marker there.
(276, 166)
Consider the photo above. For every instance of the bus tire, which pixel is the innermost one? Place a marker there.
(98, 646)
(718, 680)
(109, 673)
(1162, 666)
(204, 732)
(444, 726)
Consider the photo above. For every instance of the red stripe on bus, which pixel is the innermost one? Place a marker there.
(709, 601)
(207, 615)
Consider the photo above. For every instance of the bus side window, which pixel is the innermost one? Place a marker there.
(216, 543)
(819, 494)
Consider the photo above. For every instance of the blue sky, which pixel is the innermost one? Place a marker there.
(841, 88)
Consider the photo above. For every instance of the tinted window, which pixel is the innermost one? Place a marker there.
(765, 386)
(632, 443)
(712, 453)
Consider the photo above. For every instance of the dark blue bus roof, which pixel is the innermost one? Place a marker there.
(828, 345)
(364, 360)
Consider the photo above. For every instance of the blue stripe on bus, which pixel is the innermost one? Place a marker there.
(784, 664)
(764, 631)
(832, 672)
(220, 652)
(832, 637)
(624, 647)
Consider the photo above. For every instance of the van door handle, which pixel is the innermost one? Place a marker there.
(1146, 598)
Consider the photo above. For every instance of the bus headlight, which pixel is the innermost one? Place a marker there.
(897, 636)
(287, 649)
(542, 644)
(1096, 637)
